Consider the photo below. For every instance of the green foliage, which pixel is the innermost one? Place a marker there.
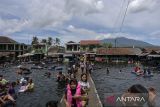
(35, 40)
(107, 45)
(49, 41)
(57, 41)
(43, 41)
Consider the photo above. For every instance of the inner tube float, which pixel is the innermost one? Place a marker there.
(59, 68)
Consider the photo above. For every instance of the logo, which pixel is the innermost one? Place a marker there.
(118, 99)
(111, 100)
(130, 99)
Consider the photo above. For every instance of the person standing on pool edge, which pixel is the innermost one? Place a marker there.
(85, 87)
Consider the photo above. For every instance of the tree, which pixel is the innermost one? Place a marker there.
(49, 41)
(107, 45)
(35, 40)
(110, 45)
(57, 41)
(43, 41)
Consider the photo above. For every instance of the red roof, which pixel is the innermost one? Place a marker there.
(90, 42)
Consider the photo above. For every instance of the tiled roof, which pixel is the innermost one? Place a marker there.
(90, 42)
(119, 51)
(4, 39)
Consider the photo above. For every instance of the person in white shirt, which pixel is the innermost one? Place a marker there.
(85, 87)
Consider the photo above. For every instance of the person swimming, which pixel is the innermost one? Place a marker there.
(30, 85)
(144, 72)
(48, 74)
(3, 81)
(108, 71)
(22, 87)
(148, 72)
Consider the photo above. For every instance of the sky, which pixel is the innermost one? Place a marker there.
(75, 20)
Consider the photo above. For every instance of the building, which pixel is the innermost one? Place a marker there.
(150, 56)
(72, 47)
(39, 50)
(10, 48)
(118, 54)
(89, 46)
(55, 53)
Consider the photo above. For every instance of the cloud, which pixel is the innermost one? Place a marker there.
(78, 19)
(11, 26)
(141, 5)
(83, 7)
(155, 34)
(40, 14)
(115, 35)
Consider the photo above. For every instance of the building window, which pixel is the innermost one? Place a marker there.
(10, 47)
(75, 48)
(69, 47)
(25, 47)
(2, 47)
(17, 47)
(21, 47)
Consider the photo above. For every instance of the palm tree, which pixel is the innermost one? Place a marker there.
(57, 41)
(35, 40)
(49, 41)
(43, 41)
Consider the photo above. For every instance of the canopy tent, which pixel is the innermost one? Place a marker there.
(25, 55)
(19, 56)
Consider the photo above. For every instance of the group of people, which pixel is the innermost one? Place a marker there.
(144, 72)
(26, 85)
(9, 90)
(88, 65)
(76, 93)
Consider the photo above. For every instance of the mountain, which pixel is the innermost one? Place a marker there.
(125, 42)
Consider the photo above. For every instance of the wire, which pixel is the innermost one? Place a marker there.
(118, 17)
(125, 14)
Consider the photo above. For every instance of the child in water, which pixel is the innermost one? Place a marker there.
(30, 85)
(22, 88)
